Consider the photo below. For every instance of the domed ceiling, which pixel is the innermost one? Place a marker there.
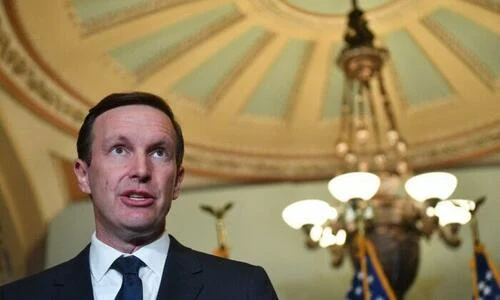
(254, 82)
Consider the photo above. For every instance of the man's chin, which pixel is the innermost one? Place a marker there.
(144, 232)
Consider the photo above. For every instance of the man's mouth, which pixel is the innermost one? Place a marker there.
(137, 198)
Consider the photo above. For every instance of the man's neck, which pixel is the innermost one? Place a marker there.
(128, 244)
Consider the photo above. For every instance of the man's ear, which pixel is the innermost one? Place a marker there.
(80, 168)
(178, 181)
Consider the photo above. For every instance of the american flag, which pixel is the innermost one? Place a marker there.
(485, 277)
(376, 286)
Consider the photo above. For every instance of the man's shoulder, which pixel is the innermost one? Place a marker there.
(236, 278)
(45, 275)
(30, 287)
(212, 261)
(209, 262)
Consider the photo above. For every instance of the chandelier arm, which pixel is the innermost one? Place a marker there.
(351, 155)
(337, 253)
(310, 244)
(360, 103)
(427, 225)
(352, 112)
(387, 104)
(378, 158)
(449, 234)
(344, 111)
(362, 129)
(375, 125)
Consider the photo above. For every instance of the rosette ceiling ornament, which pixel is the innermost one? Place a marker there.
(375, 165)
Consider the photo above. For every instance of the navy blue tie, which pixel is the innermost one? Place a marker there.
(131, 288)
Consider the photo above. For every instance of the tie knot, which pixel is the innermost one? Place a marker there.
(128, 264)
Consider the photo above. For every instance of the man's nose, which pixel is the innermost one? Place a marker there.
(141, 169)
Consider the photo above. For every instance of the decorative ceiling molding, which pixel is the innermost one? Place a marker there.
(113, 18)
(28, 83)
(487, 4)
(226, 69)
(16, 31)
(172, 54)
(481, 69)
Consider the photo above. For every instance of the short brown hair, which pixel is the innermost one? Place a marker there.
(85, 135)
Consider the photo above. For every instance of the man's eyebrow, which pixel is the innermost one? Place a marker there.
(115, 138)
(161, 143)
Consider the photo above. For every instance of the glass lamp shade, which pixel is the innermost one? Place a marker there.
(353, 185)
(469, 205)
(431, 185)
(454, 211)
(310, 211)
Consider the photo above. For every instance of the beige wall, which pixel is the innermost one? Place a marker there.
(258, 235)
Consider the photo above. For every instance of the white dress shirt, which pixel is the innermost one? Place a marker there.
(106, 282)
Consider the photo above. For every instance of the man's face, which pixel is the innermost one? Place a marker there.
(133, 176)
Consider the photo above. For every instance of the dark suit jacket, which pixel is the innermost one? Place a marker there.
(187, 274)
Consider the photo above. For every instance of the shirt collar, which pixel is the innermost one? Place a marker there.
(155, 254)
(102, 256)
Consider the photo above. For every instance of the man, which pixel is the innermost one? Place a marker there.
(130, 151)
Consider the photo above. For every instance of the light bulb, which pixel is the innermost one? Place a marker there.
(341, 237)
(362, 134)
(341, 148)
(316, 232)
(392, 136)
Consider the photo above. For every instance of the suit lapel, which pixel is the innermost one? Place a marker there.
(181, 277)
(73, 280)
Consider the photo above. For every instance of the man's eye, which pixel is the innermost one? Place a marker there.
(118, 150)
(159, 153)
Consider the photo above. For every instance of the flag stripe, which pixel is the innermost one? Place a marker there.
(379, 270)
(485, 280)
(369, 280)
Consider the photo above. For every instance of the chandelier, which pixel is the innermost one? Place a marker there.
(374, 160)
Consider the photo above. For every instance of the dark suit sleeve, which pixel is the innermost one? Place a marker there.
(262, 288)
